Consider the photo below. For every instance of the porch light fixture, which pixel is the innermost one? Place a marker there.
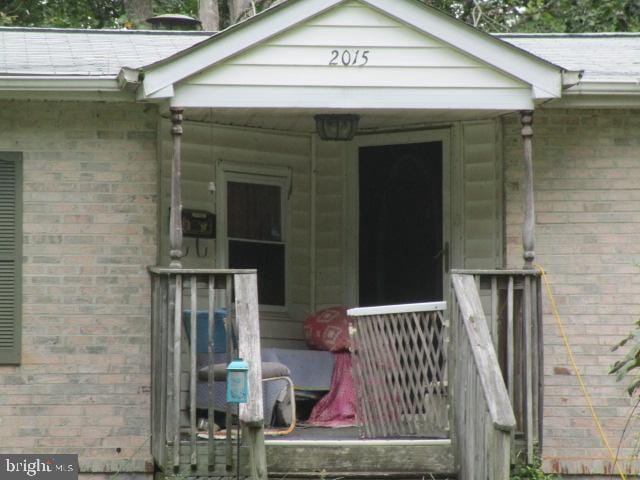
(337, 127)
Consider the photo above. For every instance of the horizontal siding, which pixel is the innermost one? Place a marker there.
(349, 36)
(369, 76)
(353, 14)
(398, 57)
(387, 56)
(482, 194)
(330, 286)
(202, 146)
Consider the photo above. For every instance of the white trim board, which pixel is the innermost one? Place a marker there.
(351, 98)
(393, 309)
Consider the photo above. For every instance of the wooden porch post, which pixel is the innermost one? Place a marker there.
(529, 223)
(175, 222)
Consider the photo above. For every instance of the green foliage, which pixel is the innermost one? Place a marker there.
(565, 16)
(530, 472)
(488, 15)
(571, 16)
(81, 13)
(562, 16)
(630, 363)
(184, 7)
(61, 13)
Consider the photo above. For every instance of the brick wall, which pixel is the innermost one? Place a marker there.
(587, 186)
(89, 231)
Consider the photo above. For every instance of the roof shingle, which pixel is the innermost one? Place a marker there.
(606, 57)
(102, 53)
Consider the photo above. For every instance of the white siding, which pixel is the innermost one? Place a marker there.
(330, 276)
(202, 146)
(399, 57)
(482, 204)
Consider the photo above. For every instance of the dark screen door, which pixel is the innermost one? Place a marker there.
(400, 224)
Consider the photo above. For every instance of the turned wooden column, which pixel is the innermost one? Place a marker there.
(175, 221)
(529, 223)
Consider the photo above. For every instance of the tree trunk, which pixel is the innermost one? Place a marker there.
(138, 11)
(209, 14)
(238, 8)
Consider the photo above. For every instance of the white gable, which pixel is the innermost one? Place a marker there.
(352, 56)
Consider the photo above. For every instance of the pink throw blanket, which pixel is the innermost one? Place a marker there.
(338, 407)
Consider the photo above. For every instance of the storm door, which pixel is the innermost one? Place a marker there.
(401, 246)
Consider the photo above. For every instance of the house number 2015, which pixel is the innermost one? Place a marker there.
(349, 58)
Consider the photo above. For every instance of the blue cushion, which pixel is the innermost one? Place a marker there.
(202, 330)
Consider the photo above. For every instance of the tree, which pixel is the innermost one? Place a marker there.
(209, 14)
(137, 12)
(564, 16)
(573, 16)
(239, 9)
(60, 13)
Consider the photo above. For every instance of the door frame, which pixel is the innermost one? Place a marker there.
(352, 199)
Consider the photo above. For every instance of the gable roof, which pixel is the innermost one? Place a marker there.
(544, 77)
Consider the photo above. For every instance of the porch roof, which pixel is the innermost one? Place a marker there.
(420, 59)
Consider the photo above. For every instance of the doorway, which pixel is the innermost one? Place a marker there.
(400, 242)
(399, 208)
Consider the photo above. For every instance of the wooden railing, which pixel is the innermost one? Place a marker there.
(175, 444)
(482, 412)
(399, 357)
(512, 304)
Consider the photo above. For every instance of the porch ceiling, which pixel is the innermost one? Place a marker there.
(301, 121)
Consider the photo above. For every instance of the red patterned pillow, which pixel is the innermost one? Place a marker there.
(328, 330)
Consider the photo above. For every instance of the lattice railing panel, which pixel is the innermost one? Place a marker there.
(400, 370)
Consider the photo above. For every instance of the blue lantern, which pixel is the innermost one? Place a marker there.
(238, 381)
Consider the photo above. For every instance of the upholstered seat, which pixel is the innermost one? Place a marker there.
(270, 370)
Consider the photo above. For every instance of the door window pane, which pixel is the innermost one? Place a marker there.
(268, 258)
(254, 211)
(256, 239)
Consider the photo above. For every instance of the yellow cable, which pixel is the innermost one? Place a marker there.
(583, 387)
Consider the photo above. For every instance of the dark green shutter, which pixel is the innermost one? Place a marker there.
(10, 256)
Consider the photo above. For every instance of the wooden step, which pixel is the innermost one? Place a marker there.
(369, 459)
(326, 459)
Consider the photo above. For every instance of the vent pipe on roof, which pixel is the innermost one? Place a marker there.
(171, 21)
